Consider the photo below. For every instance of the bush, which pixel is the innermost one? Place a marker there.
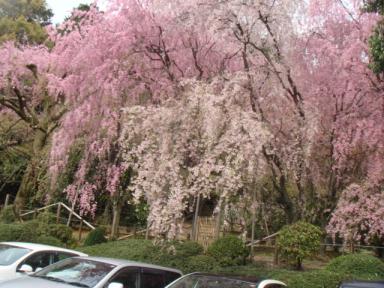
(183, 249)
(228, 251)
(7, 215)
(95, 237)
(363, 266)
(12, 232)
(59, 231)
(298, 241)
(133, 249)
(200, 263)
(313, 279)
(49, 240)
(46, 217)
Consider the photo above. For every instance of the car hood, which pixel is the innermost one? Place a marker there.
(32, 282)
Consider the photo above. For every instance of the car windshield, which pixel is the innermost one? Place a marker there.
(9, 254)
(76, 271)
(207, 281)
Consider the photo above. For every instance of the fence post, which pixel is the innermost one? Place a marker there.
(81, 229)
(276, 254)
(34, 214)
(6, 201)
(58, 213)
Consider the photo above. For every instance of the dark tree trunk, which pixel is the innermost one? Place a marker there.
(29, 184)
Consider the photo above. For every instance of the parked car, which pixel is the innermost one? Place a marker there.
(96, 272)
(18, 259)
(203, 280)
(362, 284)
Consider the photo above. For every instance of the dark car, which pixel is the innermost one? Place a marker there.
(362, 284)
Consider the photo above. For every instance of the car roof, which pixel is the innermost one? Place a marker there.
(41, 247)
(363, 284)
(123, 262)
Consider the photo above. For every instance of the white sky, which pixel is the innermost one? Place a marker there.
(63, 8)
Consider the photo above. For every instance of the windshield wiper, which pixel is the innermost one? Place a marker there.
(62, 281)
(49, 278)
(78, 284)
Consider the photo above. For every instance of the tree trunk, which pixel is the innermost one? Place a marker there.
(29, 184)
(116, 209)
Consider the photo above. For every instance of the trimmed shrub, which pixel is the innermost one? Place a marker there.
(362, 266)
(228, 251)
(46, 217)
(11, 232)
(183, 249)
(95, 237)
(59, 231)
(133, 249)
(298, 241)
(49, 240)
(313, 279)
(200, 263)
(7, 215)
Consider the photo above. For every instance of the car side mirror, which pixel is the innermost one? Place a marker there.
(115, 285)
(25, 268)
(38, 269)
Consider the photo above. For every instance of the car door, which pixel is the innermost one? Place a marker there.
(38, 260)
(128, 276)
(152, 278)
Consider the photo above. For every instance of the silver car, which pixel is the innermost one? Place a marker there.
(18, 259)
(204, 280)
(97, 272)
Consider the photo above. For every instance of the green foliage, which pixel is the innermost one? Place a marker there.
(133, 249)
(228, 251)
(374, 6)
(32, 10)
(48, 240)
(46, 218)
(376, 43)
(59, 231)
(200, 263)
(313, 279)
(363, 266)
(298, 241)
(21, 30)
(95, 237)
(7, 215)
(185, 249)
(22, 20)
(180, 255)
(14, 232)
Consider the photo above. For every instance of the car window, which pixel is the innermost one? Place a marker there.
(152, 278)
(58, 256)
(170, 277)
(77, 271)
(129, 277)
(10, 254)
(38, 260)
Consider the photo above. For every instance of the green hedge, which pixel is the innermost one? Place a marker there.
(228, 251)
(185, 256)
(361, 266)
(35, 231)
(95, 237)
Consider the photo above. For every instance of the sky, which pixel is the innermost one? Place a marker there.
(63, 8)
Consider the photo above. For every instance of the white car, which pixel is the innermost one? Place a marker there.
(96, 272)
(205, 280)
(18, 259)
